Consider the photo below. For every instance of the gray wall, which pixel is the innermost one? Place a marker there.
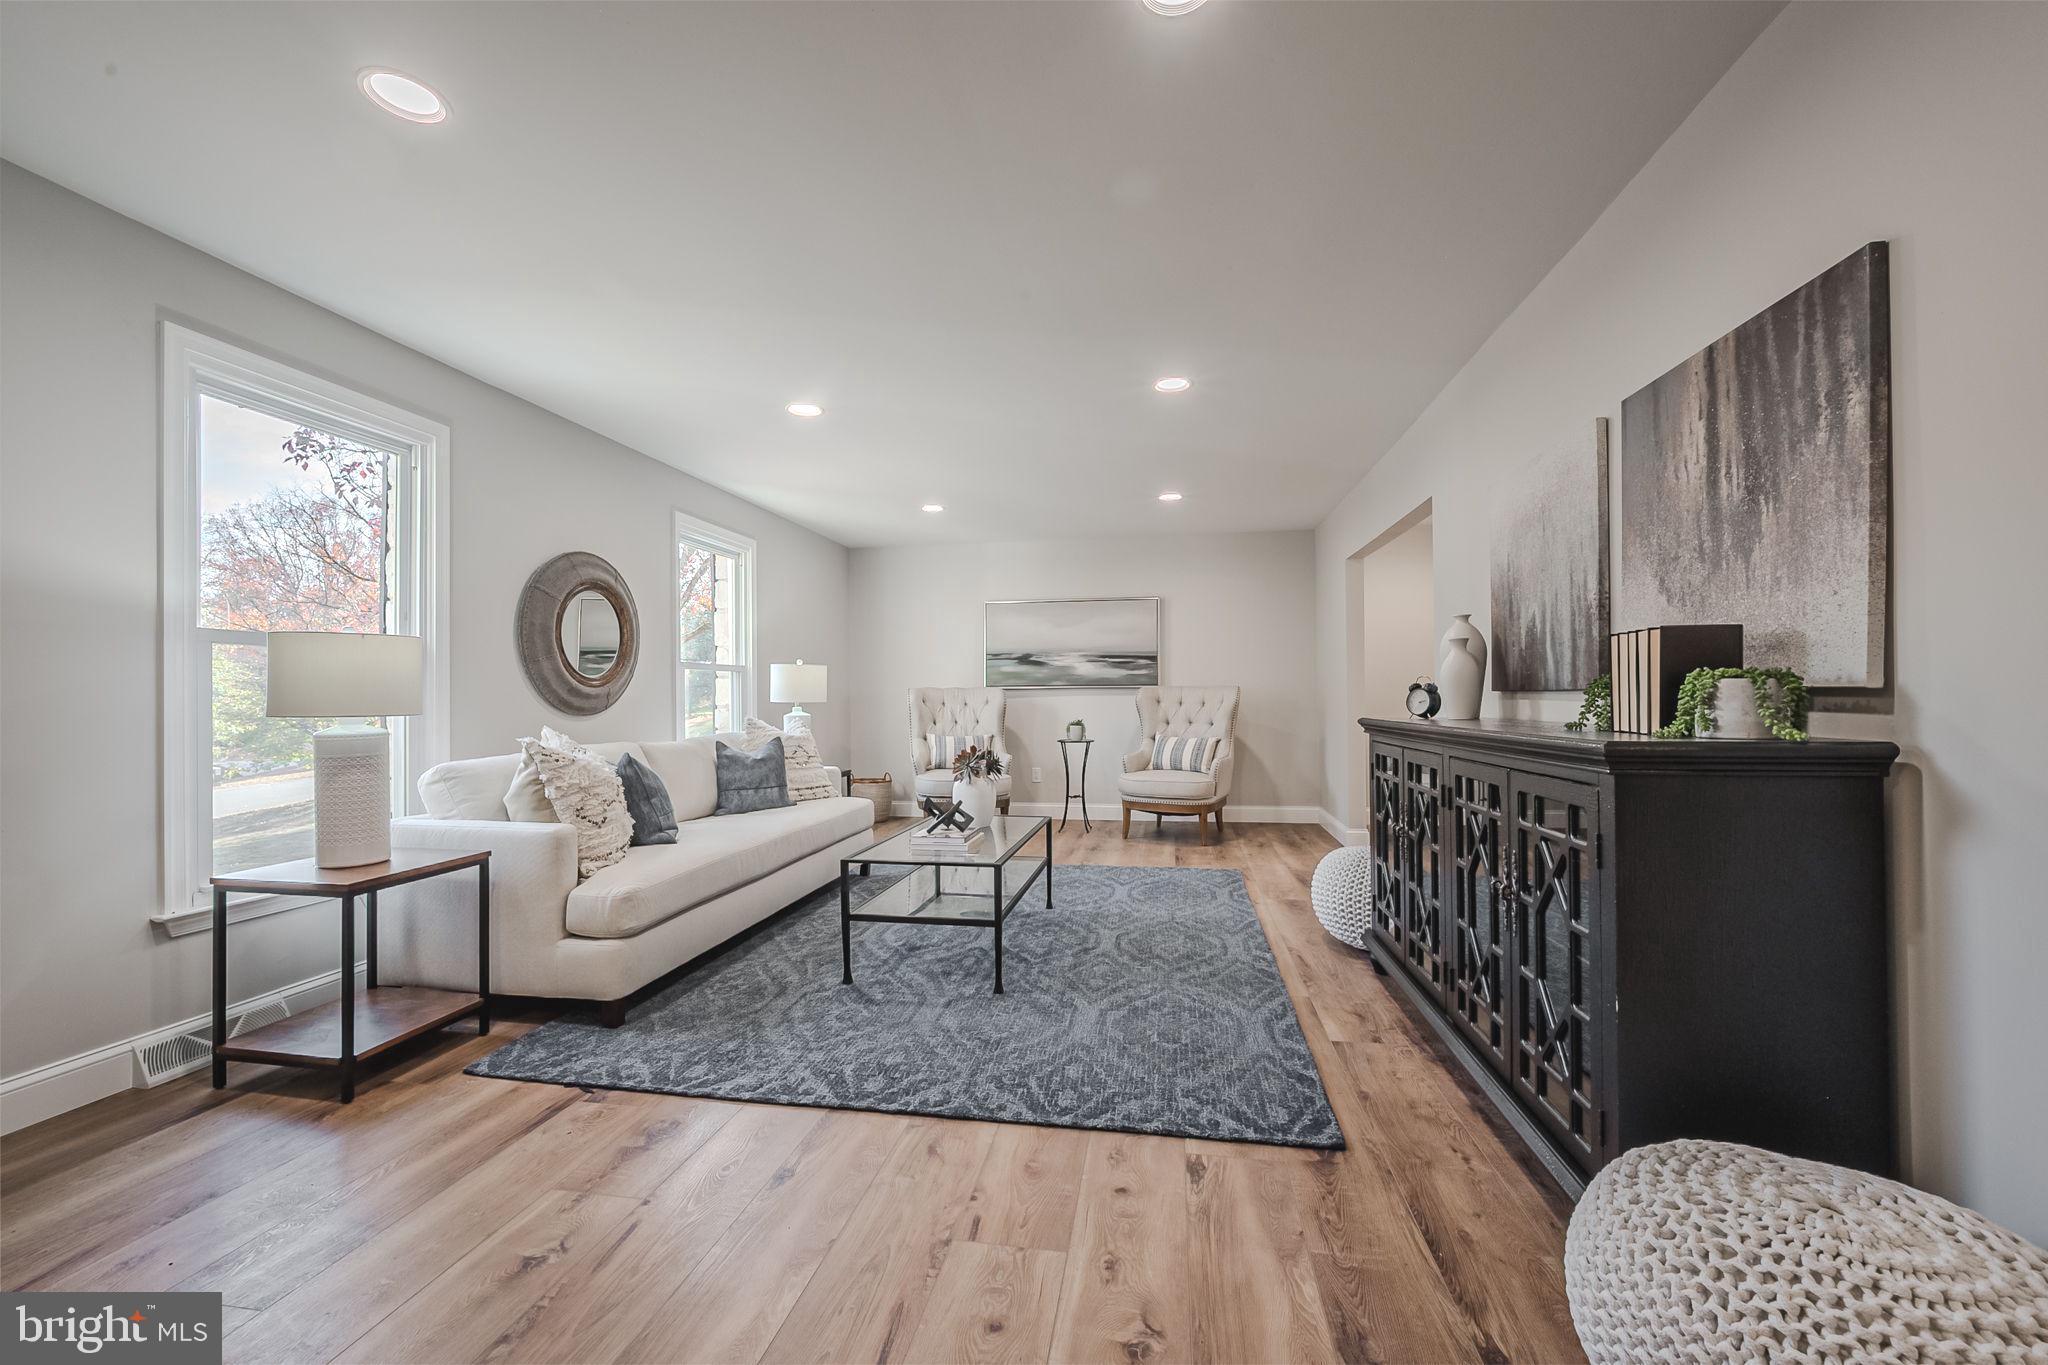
(83, 290)
(1923, 125)
(1236, 608)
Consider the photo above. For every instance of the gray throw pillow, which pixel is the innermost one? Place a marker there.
(751, 781)
(654, 815)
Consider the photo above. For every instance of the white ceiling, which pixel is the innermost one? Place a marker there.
(976, 233)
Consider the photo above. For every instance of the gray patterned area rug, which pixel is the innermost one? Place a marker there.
(1143, 1000)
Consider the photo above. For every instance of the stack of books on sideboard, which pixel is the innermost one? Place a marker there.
(1645, 667)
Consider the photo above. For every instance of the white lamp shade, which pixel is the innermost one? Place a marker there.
(796, 683)
(335, 673)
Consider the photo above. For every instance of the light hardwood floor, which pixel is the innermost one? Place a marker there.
(445, 1217)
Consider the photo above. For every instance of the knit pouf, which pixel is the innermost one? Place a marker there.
(1708, 1251)
(1340, 891)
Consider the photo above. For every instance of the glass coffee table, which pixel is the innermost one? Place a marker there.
(974, 890)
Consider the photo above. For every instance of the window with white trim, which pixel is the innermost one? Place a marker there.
(290, 503)
(714, 628)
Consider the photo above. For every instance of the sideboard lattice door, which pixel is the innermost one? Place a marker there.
(1556, 1069)
(1476, 956)
(1422, 784)
(1388, 895)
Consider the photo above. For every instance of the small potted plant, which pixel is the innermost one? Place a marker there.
(1077, 730)
(1596, 707)
(1740, 703)
(975, 771)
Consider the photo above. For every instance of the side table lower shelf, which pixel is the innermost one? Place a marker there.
(385, 1017)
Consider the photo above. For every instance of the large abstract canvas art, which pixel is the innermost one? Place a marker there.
(1755, 482)
(1549, 566)
(1072, 642)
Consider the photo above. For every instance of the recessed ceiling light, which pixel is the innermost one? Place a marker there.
(1170, 8)
(1169, 497)
(397, 93)
(804, 410)
(1171, 384)
(933, 507)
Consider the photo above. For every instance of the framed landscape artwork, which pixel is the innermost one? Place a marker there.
(1756, 482)
(1071, 642)
(1549, 566)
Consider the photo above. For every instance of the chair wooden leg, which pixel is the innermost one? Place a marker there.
(1219, 824)
(1202, 826)
(1127, 822)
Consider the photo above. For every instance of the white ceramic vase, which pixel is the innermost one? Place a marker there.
(1734, 711)
(1461, 673)
(976, 796)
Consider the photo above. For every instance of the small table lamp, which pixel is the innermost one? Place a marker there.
(337, 675)
(796, 683)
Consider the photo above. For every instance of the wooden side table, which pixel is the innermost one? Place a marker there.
(390, 1014)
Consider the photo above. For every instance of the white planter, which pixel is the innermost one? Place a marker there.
(1733, 708)
(1461, 675)
(977, 797)
(1077, 732)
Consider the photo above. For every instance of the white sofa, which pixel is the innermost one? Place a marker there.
(631, 923)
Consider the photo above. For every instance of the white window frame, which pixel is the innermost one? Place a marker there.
(717, 539)
(195, 364)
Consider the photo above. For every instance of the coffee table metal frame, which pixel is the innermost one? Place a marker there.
(1000, 905)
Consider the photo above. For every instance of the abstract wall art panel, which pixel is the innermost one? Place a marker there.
(1549, 566)
(1755, 482)
(1071, 642)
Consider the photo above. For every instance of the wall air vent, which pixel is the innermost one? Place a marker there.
(168, 1058)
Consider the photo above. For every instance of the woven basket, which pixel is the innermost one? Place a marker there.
(880, 790)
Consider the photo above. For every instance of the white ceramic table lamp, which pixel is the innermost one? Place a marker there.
(796, 683)
(337, 675)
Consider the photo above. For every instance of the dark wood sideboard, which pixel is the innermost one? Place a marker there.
(1628, 939)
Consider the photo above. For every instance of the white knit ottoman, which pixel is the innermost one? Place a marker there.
(1709, 1251)
(1341, 892)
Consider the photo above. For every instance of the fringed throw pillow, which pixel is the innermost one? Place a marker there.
(586, 794)
(805, 771)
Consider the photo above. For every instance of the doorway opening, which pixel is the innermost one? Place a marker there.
(1391, 625)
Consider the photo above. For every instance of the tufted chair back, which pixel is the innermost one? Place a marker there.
(954, 711)
(1202, 711)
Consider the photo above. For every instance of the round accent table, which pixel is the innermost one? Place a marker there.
(1697, 1250)
(1340, 891)
(1067, 772)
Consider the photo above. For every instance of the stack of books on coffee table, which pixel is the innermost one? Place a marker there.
(945, 841)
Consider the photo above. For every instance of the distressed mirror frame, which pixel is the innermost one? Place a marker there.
(537, 631)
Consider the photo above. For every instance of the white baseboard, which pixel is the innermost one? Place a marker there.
(1336, 829)
(48, 1091)
(1233, 814)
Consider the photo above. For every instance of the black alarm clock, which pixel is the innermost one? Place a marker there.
(1423, 699)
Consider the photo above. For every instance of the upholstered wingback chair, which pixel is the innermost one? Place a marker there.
(1197, 712)
(946, 711)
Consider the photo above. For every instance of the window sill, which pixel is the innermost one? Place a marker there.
(199, 919)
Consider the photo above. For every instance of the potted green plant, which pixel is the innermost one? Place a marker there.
(1596, 707)
(975, 771)
(1740, 703)
(1077, 730)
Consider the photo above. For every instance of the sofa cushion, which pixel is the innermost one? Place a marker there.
(523, 797)
(469, 788)
(708, 859)
(689, 769)
(1151, 784)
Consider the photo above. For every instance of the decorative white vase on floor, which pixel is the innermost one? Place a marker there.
(1461, 675)
(976, 796)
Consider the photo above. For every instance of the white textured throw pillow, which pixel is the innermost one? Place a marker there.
(806, 773)
(586, 794)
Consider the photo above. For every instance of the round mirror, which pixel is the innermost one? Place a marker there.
(590, 634)
(577, 633)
